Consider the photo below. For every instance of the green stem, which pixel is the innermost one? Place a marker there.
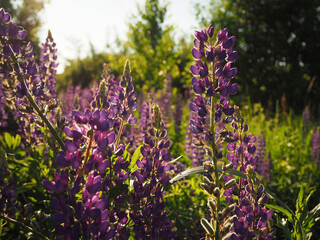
(27, 228)
(215, 161)
(119, 133)
(46, 121)
(1, 221)
(33, 103)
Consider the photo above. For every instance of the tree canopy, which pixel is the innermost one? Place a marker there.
(279, 45)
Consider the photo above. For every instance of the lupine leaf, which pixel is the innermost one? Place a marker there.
(190, 171)
(8, 139)
(299, 200)
(237, 173)
(117, 190)
(17, 141)
(272, 195)
(135, 157)
(313, 214)
(280, 209)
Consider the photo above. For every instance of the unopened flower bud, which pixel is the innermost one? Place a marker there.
(212, 204)
(228, 166)
(216, 191)
(230, 184)
(263, 199)
(227, 210)
(207, 188)
(207, 226)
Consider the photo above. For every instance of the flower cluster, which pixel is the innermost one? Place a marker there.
(264, 164)
(8, 201)
(165, 102)
(178, 114)
(94, 160)
(149, 179)
(212, 84)
(197, 155)
(316, 147)
(252, 220)
(219, 56)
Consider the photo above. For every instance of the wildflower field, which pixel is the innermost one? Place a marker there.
(114, 161)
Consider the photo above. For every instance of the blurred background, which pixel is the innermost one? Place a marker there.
(278, 43)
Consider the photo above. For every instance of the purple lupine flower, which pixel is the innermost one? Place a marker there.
(212, 85)
(306, 122)
(68, 103)
(152, 168)
(316, 147)
(3, 113)
(197, 155)
(99, 171)
(221, 56)
(252, 218)
(48, 66)
(263, 161)
(178, 114)
(145, 116)
(8, 200)
(24, 78)
(165, 102)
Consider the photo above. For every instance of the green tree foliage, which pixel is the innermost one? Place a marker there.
(154, 52)
(151, 49)
(27, 15)
(279, 45)
(88, 70)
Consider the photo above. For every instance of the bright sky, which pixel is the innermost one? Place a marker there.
(75, 23)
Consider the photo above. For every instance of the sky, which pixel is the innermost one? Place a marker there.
(76, 23)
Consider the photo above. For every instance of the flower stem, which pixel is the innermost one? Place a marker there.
(119, 133)
(46, 121)
(26, 228)
(33, 103)
(213, 145)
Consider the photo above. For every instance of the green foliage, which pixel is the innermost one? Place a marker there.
(279, 41)
(28, 170)
(86, 71)
(187, 203)
(302, 220)
(154, 52)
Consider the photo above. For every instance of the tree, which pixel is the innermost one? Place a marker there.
(279, 45)
(153, 50)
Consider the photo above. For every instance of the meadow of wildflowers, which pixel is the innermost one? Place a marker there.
(98, 162)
